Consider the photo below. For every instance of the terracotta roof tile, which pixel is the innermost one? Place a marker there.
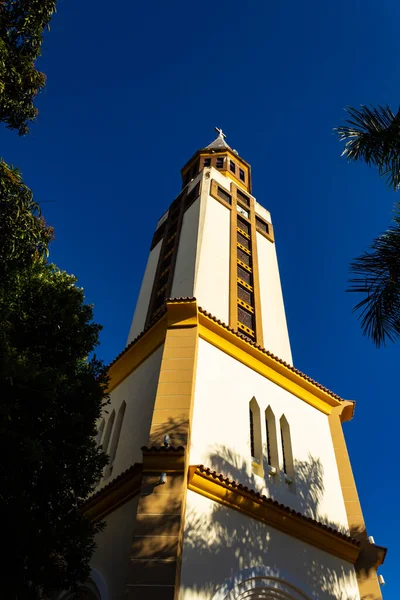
(268, 353)
(163, 449)
(133, 470)
(151, 324)
(234, 484)
(181, 299)
(235, 332)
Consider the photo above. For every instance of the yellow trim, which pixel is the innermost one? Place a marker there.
(245, 250)
(168, 254)
(161, 461)
(214, 193)
(252, 357)
(243, 233)
(270, 236)
(115, 494)
(242, 264)
(244, 284)
(245, 185)
(161, 290)
(271, 514)
(185, 314)
(371, 556)
(133, 357)
(246, 329)
(165, 271)
(236, 180)
(233, 270)
(246, 306)
(256, 278)
(182, 314)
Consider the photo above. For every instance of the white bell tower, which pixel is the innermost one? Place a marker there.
(229, 476)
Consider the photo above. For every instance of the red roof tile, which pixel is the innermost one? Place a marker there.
(234, 484)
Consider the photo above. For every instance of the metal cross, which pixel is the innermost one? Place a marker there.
(220, 132)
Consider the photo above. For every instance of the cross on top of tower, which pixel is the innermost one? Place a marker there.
(219, 143)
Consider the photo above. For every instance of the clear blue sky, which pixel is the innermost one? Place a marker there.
(135, 88)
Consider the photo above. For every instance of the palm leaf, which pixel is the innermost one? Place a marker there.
(377, 274)
(372, 135)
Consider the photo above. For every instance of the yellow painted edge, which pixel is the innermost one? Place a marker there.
(256, 276)
(137, 353)
(111, 498)
(275, 516)
(252, 357)
(182, 314)
(158, 463)
(186, 314)
(233, 270)
(179, 314)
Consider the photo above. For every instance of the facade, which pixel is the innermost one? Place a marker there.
(229, 476)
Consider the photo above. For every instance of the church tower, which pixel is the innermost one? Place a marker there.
(229, 477)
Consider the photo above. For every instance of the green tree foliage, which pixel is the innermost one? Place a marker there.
(372, 135)
(377, 277)
(51, 396)
(24, 234)
(22, 23)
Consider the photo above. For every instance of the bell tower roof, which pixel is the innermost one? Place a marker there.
(219, 143)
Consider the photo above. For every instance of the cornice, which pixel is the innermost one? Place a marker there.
(183, 312)
(232, 494)
(114, 494)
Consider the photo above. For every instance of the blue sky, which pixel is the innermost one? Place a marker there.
(134, 90)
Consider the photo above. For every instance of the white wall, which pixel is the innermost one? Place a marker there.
(220, 544)
(212, 277)
(138, 390)
(262, 212)
(275, 331)
(142, 305)
(220, 436)
(111, 557)
(183, 283)
(221, 178)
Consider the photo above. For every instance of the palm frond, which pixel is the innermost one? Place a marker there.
(372, 135)
(377, 274)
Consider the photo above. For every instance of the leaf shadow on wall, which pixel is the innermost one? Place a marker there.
(220, 542)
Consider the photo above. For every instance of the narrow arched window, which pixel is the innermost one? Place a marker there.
(271, 441)
(107, 434)
(252, 445)
(115, 439)
(255, 437)
(284, 450)
(100, 432)
(287, 453)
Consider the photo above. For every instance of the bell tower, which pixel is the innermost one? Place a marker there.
(216, 243)
(229, 477)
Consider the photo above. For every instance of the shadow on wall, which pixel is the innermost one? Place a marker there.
(220, 542)
(308, 485)
(177, 429)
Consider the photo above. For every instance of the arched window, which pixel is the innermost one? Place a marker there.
(271, 442)
(255, 437)
(252, 442)
(100, 432)
(107, 434)
(115, 440)
(287, 454)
